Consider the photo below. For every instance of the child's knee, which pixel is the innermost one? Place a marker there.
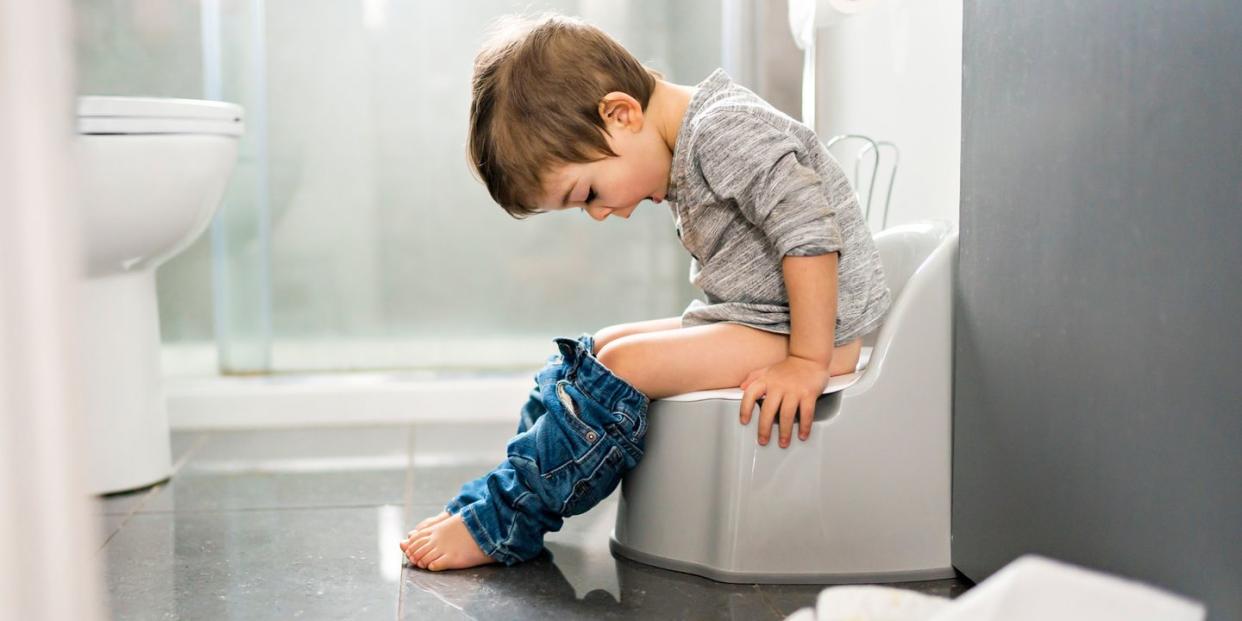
(604, 336)
(624, 358)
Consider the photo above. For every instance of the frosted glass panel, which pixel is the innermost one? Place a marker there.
(385, 252)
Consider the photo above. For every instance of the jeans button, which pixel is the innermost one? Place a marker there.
(591, 435)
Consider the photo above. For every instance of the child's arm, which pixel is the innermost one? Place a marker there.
(796, 382)
(811, 283)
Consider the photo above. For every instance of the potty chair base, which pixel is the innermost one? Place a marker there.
(737, 577)
(865, 499)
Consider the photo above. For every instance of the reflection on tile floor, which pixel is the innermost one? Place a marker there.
(305, 523)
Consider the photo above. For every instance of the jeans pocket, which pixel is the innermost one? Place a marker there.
(580, 414)
(633, 423)
(597, 484)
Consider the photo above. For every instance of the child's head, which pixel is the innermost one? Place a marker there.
(557, 119)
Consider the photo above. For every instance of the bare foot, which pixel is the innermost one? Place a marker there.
(427, 523)
(431, 521)
(445, 545)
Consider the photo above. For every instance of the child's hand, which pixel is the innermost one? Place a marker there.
(788, 386)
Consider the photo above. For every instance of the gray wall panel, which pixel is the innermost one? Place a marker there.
(1098, 373)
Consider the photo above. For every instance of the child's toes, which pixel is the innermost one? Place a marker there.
(432, 521)
(417, 537)
(439, 562)
(411, 549)
(408, 543)
(418, 555)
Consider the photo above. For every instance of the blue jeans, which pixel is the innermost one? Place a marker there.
(582, 428)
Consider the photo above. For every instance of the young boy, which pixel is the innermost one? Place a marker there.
(564, 117)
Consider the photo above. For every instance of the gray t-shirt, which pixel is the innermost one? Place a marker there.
(750, 185)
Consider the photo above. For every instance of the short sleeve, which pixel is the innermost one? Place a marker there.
(747, 158)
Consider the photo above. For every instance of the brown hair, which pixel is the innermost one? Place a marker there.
(537, 86)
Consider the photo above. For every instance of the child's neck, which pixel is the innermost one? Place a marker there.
(667, 107)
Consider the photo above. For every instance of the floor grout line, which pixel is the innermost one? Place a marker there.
(193, 448)
(155, 489)
(763, 597)
(408, 508)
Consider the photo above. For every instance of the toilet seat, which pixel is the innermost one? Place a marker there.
(157, 115)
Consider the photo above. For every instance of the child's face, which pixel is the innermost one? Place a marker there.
(614, 185)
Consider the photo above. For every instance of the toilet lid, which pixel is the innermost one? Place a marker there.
(157, 115)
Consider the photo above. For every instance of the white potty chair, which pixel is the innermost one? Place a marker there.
(865, 499)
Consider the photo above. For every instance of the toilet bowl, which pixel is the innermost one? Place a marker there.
(865, 499)
(151, 173)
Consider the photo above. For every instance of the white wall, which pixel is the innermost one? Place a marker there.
(895, 73)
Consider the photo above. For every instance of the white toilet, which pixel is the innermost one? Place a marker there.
(151, 174)
(864, 499)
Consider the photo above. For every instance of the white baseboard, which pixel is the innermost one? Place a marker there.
(341, 399)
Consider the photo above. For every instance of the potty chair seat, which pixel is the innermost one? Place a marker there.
(864, 500)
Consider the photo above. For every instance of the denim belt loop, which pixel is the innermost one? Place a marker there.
(588, 342)
(574, 350)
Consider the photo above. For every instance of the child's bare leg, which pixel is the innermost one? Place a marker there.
(604, 336)
(719, 355)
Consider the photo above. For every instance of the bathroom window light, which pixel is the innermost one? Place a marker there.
(384, 252)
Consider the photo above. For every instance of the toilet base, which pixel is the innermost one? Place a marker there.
(140, 488)
(738, 577)
(127, 435)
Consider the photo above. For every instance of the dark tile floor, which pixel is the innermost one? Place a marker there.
(288, 524)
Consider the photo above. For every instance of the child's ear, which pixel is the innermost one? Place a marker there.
(620, 110)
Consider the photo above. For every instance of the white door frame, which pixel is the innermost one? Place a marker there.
(49, 562)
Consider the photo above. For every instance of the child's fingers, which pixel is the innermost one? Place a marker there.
(767, 413)
(749, 395)
(788, 409)
(750, 378)
(806, 418)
